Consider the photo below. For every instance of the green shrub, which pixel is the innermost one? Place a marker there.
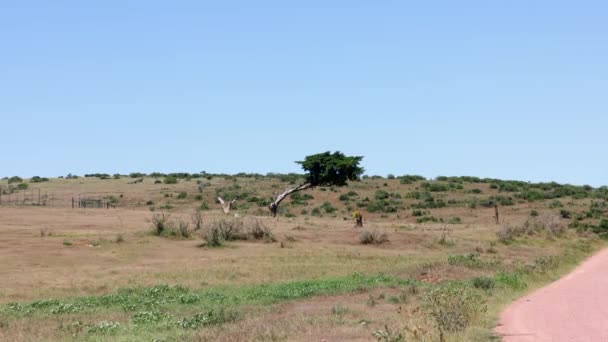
(328, 207)
(22, 186)
(484, 283)
(344, 198)
(565, 213)
(534, 213)
(601, 229)
(426, 219)
(511, 280)
(381, 194)
(198, 197)
(409, 179)
(15, 179)
(435, 187)
(471, 260)
(182, 195)
(37, 179)
(170, 180)
(418, 213)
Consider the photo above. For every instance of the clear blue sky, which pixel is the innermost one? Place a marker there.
(512, 89)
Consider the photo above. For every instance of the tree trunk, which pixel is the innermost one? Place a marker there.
(274, 206)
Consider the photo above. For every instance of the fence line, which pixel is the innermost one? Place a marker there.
(10, 196)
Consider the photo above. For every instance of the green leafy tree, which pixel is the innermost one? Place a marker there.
(324, 169)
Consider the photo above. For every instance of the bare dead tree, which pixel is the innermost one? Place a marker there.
(274, 206)
(226, 206)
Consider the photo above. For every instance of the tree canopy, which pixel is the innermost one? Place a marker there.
(327, 169)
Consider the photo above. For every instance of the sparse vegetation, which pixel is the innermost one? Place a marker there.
(231, 284)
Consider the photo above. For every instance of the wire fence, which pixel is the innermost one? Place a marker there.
(11, 196)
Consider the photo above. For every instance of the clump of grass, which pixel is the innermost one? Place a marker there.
(339, 310)
(208, 318)
(104, 327)
(512, 280)
(119, 238)
(471, 260)
(67, 243)
(388, 335)
(443, 239)
(373, 237)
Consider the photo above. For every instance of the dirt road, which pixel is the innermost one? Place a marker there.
(575, 308)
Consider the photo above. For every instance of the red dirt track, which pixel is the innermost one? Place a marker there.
(574, 308)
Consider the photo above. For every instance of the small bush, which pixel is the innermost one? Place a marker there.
(183, 229)
(182, 195)
(328, 207)
(229, 229)
(470, 261)
(197, 220)
(22, 186)
(160, 222)
(484, 283)
(565, 213)
(454, 307)
(170, 180)
(455, 220)
(258, 231)
(198, 197)
(534, 213)
(373, 237)
(37, 179)
(213, 237)
(208, 318)
(163, 225)
(511, 280)
(553, 225)
(15, 179)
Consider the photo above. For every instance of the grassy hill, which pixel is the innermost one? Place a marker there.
(428, 249)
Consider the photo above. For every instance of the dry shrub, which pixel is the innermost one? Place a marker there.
(256, 230)
(553, 225)
(197, 219)
(374, 237)
(237, 229)
(228, 229)
(160, 222)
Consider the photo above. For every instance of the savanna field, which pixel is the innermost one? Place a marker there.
(160, 261)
